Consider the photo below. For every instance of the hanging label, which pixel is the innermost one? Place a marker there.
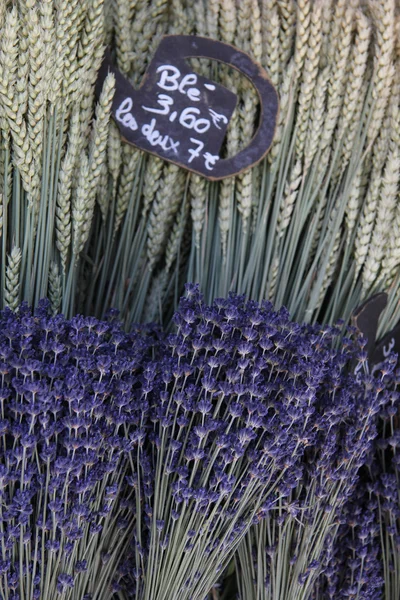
(182, 116)
(388, 344)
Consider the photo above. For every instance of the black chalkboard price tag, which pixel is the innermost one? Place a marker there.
(389, 343)
(366, 319)
(181, 116)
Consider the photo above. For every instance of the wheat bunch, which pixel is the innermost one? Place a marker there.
(49, 55)
(336, 68)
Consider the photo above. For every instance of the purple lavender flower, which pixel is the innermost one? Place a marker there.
(352, 566)
(71, 416)
(384, 469)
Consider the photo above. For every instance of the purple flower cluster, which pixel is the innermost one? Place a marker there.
(71, 412)
(340, 431)
(246, 409)
(353, 569)
(385, 474)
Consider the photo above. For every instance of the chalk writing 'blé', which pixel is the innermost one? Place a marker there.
(169, 81)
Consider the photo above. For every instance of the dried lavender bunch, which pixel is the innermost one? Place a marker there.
(71, 414)
(353, 568)
(385, 472)
(284, 554)
(235, 400)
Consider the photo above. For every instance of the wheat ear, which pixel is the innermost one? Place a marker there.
(12, 285)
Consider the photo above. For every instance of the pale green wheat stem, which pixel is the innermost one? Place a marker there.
(49, 40)
(256, 42)
(384, 218)
(6, 174)
(273, 277)
(144, 28)
(123, 41)
(287, 31)
(102, 195)
(180, 18)
(286, 97)
(329, 256)
(22, 151)
(271, 43)
(12, 284)
(3, 8)
(98, 142)
(283, 221)
(21, 84)
(66, 74)
(366, 225)
(130, 162)
(84, 207)
(37, 84)
(1, 214)
(353, 205)
(302, 32)
(8, 62)
(291, 191)
(200, 18)
(309, 78)
(175, 237)
(383, 12)
(321, 205)
(82, 210)
(233, 133)
(225, 197)
(339, 73)
(329, 269)
(114, 154)
(391, 262)
(335, 13)
(90, 53)
(154, 301)
(65, 184)
(55, 288)
(152, 182)
(256, 196)
(242, 40)
(213, 8)
(355, 89)
(228, 18)
(198, 200)
(244, 193)
(317, 118)
(156, 296)
(327, 13)
(247, 117)
(164, 207)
